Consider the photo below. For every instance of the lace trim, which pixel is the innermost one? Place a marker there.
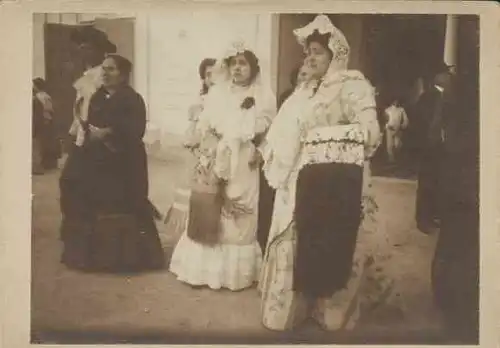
(351, 133)
(337, 144)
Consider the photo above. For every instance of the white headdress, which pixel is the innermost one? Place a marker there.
(235, 47)
(337, 42)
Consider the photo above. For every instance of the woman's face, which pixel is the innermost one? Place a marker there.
(240, 70)
(318, 59)
(208, 80)
(112, 77)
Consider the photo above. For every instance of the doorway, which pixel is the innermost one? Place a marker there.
(63, 65)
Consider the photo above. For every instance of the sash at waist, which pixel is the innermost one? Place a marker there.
(334, 144)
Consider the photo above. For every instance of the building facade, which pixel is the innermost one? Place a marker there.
(393, 51)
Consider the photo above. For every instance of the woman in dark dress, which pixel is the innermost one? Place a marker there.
(108, 222)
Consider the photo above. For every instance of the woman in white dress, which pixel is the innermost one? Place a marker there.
(317, 260)
(219, 248)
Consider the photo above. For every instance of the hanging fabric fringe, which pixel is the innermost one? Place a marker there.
(204, 217)
(177, 215)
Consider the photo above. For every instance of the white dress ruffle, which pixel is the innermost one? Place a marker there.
(234, 267)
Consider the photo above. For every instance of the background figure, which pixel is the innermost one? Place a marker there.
(108, 223)
(93, 46)
(297, 77)
(455, 268)
(36, 135)
(431, 116)
(397, 122)
(50, 142)
(177, 215)
(293, 84)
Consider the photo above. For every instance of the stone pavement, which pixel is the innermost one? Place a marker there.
(72, 307)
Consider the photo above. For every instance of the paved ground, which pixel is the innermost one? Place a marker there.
(154, 307)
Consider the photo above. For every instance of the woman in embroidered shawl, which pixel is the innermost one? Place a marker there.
(317, 157)
(219, 248)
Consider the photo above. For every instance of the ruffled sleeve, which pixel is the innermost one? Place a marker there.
(282, 145)
(358, 104)
(192, 135)
(266, 112)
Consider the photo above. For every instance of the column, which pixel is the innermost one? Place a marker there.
(451, 39)
(141, 56)
(264, 48)
(39, 45)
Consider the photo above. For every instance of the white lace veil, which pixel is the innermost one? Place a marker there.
(337, 43)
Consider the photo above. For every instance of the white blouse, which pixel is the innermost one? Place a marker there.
(342, 109)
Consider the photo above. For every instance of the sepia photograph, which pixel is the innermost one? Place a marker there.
(205, 177)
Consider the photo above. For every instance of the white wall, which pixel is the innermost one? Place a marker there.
(167, 49)
(38, 45)
(177, 44)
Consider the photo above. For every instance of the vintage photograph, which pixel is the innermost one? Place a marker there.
(255, 178)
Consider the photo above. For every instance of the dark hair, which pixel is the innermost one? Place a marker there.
(322, 39)
(94, 37)
(252, 60)
(123, 65)
(202, 70)
(40, 84)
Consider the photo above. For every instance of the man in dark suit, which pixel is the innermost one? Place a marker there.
(455, 266)
(432, 113)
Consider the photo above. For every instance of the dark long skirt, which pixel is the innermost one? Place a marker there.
(266, 204)
(327, 216)
(108, 223)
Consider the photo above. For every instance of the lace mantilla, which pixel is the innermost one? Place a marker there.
(337, 43)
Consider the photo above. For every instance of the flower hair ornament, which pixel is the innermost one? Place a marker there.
(234, 48)
(337, 43)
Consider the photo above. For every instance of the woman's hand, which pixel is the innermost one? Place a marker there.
(256, 160)
(97, 133)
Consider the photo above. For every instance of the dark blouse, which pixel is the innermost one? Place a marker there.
(124, 112)
(117, 166)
